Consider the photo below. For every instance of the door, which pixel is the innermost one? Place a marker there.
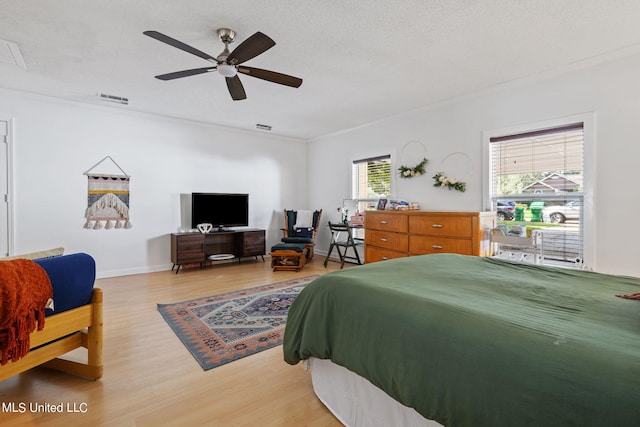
(4, 189)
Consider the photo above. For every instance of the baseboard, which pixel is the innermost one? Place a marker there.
(164, 267)
(130, 271)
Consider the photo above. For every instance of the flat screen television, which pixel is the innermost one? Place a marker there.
(220, 210)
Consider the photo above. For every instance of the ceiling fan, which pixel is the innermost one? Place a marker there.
(229, 63)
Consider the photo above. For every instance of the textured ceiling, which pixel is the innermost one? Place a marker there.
(360, 61)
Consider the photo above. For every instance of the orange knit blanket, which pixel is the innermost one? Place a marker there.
(25, 289)
(630, 296)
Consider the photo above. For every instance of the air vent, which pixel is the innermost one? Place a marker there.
(112, 98)
(263, 127)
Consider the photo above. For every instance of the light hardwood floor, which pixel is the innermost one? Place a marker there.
(151, 379)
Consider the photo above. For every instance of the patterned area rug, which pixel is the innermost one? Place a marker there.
(223, 328)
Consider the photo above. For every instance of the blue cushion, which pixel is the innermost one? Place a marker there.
(297, 240)
(304, 232)
(72, 278)
(291, 222)
(298, 247)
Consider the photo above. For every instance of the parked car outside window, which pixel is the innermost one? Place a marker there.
(506, 210)
(560, 214)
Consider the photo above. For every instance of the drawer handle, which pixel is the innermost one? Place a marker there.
(436, 247)
(382, 239)
(384, 258)
(383, 222)
(436, 225)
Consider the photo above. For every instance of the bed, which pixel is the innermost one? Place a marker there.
(75, 321)
(472, 341)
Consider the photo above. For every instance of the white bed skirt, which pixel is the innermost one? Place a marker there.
(358, 403)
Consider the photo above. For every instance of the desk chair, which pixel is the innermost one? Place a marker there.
(342, 237)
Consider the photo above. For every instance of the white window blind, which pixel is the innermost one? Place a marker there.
(542, 173)
(371, 178)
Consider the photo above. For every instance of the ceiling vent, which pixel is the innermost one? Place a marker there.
(263, 127)
(10, 54)
(112, 98)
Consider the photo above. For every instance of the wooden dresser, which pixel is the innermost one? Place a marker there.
(395, 234)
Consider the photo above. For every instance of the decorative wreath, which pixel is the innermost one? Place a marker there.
(443, 181)
(420, 168)
(450, 183)
(417, 170)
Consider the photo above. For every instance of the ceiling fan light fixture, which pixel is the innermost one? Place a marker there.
(227, 70)
(227, 62)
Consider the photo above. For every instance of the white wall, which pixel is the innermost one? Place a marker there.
(609, 92)
(55, 142)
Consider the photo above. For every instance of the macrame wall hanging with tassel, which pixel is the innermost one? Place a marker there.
(107, 199)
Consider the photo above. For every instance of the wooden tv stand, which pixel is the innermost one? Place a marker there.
(195, 248)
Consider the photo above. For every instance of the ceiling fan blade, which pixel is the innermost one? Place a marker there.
(236, 90)
(178, 44)
(185, 73)
(250, 48)
(271, 76)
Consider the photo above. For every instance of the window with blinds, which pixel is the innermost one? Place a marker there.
(536, 180)
(371, 178)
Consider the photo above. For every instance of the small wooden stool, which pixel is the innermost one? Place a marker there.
(288, 256)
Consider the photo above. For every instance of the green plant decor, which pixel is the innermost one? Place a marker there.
(417, 170)
(452, 184)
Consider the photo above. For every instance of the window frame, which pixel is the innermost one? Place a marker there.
(354, 195)
(589, 149)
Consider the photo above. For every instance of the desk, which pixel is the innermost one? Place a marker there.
(342, 237)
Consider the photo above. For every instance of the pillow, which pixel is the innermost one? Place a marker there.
(72, 278)
(50, 253)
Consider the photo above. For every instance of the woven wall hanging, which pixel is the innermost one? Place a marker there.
(107, 199)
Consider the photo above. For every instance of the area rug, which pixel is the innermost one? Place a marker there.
(223, 328)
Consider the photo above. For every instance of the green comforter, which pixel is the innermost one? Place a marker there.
(471, 341)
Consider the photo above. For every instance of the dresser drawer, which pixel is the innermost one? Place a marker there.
(188, 243)
(187, 257)
(386, 222)
(187, 248)
(420, 245)
(441, 225)
(387, 240)
(254, 243)
(374, 254)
